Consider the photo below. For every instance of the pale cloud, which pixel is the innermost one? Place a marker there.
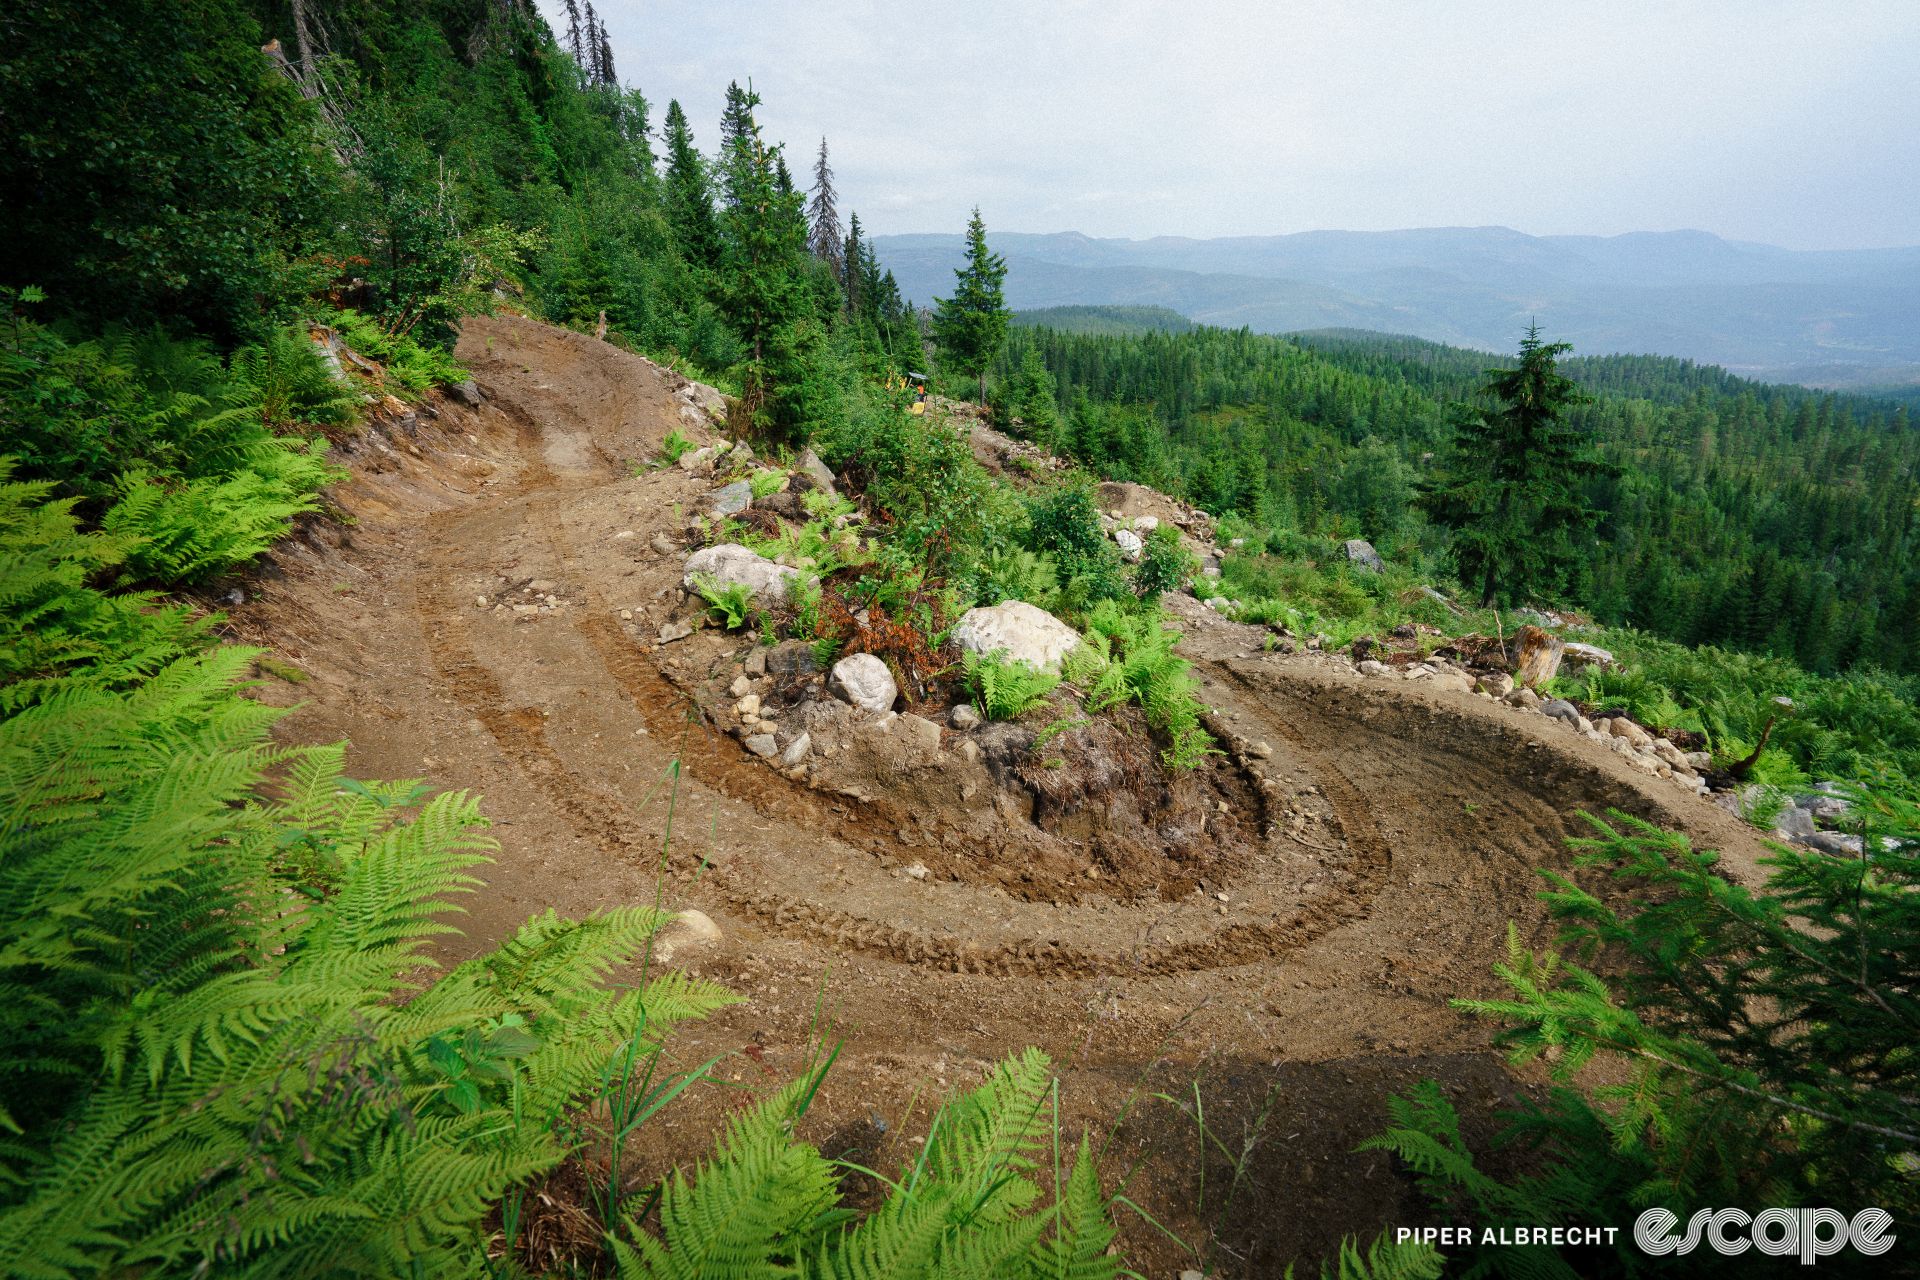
(1756, 119)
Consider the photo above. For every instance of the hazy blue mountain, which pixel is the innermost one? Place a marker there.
(1842, 317)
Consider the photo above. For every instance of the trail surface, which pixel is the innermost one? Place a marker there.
(1302, 992)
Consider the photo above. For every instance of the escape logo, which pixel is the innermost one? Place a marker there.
(1809, 1234)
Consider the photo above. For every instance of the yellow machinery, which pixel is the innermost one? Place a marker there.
(917, 382)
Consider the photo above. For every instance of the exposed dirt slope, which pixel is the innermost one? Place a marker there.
(1404, 825)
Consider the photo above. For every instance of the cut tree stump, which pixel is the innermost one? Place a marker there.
(1537, 656)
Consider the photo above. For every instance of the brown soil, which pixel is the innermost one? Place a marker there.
(1384, 837)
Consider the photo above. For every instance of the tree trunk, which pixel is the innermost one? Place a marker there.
(1537, 656)
(983, 388)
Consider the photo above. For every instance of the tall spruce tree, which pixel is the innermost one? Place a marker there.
(823, 217)
(689, 195)
(1511, 485)
(971, 326)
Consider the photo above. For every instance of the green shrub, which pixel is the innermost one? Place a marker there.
(185, 531)
(292, 383)
(1129, 657)
(972, 1202)
(674, 447)
(1065, 523)
(415, 368)
(1004, 689)
(764, 483)
(1164, 564)
(731, 603)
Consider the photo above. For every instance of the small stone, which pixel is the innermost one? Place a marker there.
(963, 717)
(664, 544)
(1372, 667)
(1260, 750)
(797, 751)
(1524, 698)
(756, 663)
(918, 871)
(1499, 684)
(761, 744)
(687, 931)
(740, 687)
(626, 615)
(481, 602)
(731, 500)
(624, 535)
(1561, 709)
(672, 631)
(747, 706)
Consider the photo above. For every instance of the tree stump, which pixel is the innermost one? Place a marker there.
(1537, 656)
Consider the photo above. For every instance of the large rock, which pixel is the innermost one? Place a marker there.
(689, 933)
(1027, 634)
(816, 470)
(1578, 654)
(864, 681)
(730, 562)
(731, 500)
(1360, 553)
(1129, 543)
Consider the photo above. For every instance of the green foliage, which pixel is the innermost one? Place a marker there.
(190, 530)
(765, 483)
(225, 1049)
(972, 325)
(730, 603)
(971, 1204)
(1756, 1047)
(1164, 564)
(1128, 657)
(674, 447)
(160, 169)
(414, 367)
(1064, 523)
(57, 633)
(1510, 488)
(286, 376)
(1004, 689)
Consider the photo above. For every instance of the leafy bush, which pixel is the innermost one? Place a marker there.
(1164, 564)
(1004, 689)
(730, 603)
(1756, 1048)
(1129, 657)
(1065, 523)
(291, 382)
(971, 1202)
(414, 367)
(765, 483)
(675, 446)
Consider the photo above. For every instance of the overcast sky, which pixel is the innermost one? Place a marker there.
(1791, 123)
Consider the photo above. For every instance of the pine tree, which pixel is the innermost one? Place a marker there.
(575, 42)
(972, 325)
(592, 48)
(609, 78)
(856, 284)
(1510, 488)
(690, 194)
(823, 218)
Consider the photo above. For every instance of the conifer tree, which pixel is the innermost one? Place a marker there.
(851, 256)
(1511, 486)
(690, 194)
(971, 326)
(823, 217)
(576, 43)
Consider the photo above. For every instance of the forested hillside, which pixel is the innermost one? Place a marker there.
(1767, 518)
(1006, 762)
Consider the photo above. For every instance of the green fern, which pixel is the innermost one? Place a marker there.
(730, 603)
(1004, 689)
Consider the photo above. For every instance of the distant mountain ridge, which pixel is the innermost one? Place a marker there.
(1821, 317)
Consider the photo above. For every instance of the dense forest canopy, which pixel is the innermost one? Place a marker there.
(1770, 518)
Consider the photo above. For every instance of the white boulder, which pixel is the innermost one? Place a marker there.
(1129, 543)
(864, 681)
(730, 562)
(1027, 634)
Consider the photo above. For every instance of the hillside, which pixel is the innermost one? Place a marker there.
(552, 724)
(1822, 318)
(1104, 320)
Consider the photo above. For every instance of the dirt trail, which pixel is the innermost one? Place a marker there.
(1319, 984)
